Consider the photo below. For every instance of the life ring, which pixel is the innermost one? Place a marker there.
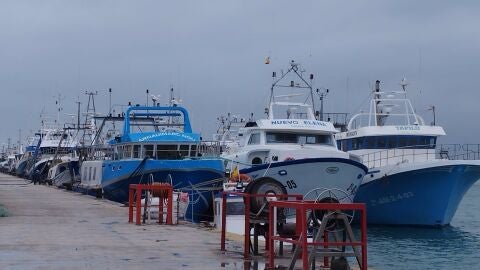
(240, 178)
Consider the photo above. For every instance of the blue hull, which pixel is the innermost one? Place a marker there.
(196, 177)
(424, 197)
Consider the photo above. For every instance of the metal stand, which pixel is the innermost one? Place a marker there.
(320, 246)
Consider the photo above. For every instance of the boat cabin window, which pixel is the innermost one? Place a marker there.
(136, 151)
(279, 137)
(193, 150)
(184, 150)
(315, 139)
(256, 161)
(165, 151)
(254, 138)
(149, 151)
(127, 151)
(388, 142)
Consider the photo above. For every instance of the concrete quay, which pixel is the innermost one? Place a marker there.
(50, 228)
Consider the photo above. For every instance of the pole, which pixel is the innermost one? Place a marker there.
(19, 141)
(78, 115)
(110, 101)
(147, 96)
(433, 109)
(321, 107)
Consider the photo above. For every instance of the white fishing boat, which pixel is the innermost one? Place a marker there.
(409, 182)
(65, 173)
(56, 146)
(291, 149)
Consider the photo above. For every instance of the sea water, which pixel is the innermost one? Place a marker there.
(452, 247)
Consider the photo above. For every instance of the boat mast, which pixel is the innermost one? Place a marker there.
(294, 67)
(404, 84)
(378, 117)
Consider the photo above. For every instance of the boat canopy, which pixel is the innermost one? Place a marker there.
(144, 124)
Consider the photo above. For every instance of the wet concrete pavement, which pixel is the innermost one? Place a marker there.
(49, 228)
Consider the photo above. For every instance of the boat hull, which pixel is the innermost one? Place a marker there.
(311, 173)
(21, 167)
(427, 196)
(199, 178)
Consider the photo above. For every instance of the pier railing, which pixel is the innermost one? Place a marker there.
(419, 153)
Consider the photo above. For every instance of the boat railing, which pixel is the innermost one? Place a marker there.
(210, 148)
(399, 155)
(421, 153)
(339, 120)
(53, 151)
(459, 151)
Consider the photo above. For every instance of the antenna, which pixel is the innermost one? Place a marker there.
(322, 95)
(110, 101)
(154, 99)
(432, 108)
(78, 114)
(59, 107)
(147, 95)
(403, 84)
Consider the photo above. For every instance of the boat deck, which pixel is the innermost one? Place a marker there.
(49, 228)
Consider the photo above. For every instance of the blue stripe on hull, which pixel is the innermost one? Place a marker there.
(115, 183)
(302, 161)
(426, 197)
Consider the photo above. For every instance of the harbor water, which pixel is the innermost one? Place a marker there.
(452, 247)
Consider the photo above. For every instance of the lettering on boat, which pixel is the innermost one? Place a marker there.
(407, 128)
(351, 133)
(392, 198)
(161, 134)
(299, 122)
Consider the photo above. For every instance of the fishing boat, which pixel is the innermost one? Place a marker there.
(65, 173)
(27, 157)
(409, 182)
(56, 145)
(157, 145)
(290, 148)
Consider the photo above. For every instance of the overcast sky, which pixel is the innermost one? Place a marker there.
(212, 53)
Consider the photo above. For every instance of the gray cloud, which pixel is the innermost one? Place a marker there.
(212, 52)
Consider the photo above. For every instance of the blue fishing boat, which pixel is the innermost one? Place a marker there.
(409, 181)
(158, 145)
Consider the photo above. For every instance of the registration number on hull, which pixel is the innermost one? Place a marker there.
(392, 198)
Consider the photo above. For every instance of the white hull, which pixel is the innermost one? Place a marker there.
(302, 176)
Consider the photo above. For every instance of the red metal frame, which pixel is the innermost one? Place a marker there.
(247, 197)
(301, 210)
(165, 192)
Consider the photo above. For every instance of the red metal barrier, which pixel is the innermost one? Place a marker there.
(161, 190)
(301, 210)
(247, 197)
